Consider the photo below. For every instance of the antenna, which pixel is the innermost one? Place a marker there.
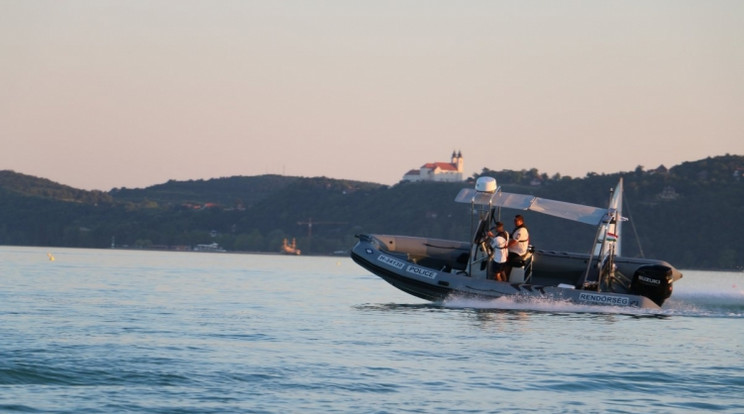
(309, 223)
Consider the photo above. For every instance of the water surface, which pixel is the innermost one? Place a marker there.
(165, 332)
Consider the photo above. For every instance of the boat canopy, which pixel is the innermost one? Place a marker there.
(562, 209)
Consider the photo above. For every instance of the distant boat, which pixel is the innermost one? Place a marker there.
(435, 269)
(211, 247)
(290, 248)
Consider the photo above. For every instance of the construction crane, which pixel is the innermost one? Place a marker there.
(309, 223)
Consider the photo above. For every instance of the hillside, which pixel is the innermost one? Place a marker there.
(30, 186)
(229, 191)
(688, 214)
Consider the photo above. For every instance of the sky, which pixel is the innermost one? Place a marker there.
(105, 94)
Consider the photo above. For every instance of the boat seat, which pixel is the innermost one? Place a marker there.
(523, 260)
(462, 259)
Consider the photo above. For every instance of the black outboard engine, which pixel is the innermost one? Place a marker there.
(653, 282)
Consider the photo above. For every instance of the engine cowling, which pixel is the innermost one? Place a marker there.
(653, 282)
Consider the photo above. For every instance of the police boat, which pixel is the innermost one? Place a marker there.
(437, 269)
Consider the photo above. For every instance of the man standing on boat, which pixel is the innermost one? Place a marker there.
(520, 240)
(499, 242)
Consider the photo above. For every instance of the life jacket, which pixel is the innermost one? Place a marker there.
(528, 233)
(505, 235)
(522, 241)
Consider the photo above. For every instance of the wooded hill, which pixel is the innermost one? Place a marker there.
(690, 214)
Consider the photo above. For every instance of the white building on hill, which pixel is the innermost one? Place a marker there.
(438, 171)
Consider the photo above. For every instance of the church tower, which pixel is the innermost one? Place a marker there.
(457, 161)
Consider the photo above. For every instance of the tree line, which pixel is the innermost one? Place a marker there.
(688, 214)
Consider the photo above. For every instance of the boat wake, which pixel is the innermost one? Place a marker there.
(699, 303)
(509, 303)
(710, 303)
(708, 294)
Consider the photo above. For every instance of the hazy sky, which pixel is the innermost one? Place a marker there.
(102, 94)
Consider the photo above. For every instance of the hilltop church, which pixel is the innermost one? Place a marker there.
(438, 171)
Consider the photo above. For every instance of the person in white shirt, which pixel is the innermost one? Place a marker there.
(499, 242)
(520, 239)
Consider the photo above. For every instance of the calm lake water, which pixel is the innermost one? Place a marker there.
(163, 332)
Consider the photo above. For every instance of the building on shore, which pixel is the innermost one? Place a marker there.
(438, 171)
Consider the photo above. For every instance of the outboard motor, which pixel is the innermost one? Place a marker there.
(653, 282)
